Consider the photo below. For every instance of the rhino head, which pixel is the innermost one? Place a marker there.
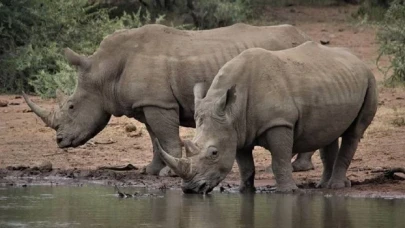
(80, 116)
(211, 154)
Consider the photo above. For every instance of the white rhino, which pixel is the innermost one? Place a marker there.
(148, 73)
(295, 100)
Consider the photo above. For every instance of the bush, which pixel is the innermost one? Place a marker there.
(391, 37)
(36, 31)
(203, 14)
(219, 13)
(373, 10)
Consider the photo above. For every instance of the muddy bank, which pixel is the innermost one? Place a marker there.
(384, 185)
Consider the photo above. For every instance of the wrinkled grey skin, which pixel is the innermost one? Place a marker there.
(288, 101)
(148, 73)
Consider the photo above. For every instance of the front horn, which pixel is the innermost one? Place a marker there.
(44, 114)
(180, 166)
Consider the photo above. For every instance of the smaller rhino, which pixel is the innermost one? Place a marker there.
(295, 100)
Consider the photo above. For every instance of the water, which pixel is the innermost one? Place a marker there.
(98, 206)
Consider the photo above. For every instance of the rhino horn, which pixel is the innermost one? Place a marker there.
(191, 148)
(44, 114)
(199, 92)
(181, 167)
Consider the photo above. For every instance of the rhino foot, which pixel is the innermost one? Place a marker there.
(286, 188)
(300, 165)
(152, 169)
(322, 184)
(336, 184)
(247, 189)
(167, 172)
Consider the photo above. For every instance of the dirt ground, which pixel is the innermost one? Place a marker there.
(28, 150)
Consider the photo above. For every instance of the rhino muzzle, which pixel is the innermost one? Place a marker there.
(203, 188)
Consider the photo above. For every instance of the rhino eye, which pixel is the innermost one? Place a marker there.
(212, 152)
(71, 106)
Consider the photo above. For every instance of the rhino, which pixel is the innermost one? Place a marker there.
(148, 73)
(288, 101)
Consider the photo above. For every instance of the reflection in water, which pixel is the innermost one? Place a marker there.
(96, 206)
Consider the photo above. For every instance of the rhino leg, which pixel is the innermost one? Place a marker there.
(157, 164)
(351, 138)
(338, 178)
(328, 157)
(163, 125)
(303, 162)
(246, 164)
(279, 141)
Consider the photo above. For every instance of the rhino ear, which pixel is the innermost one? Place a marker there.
(226, 101)
(60, 96)
(191, 148)
(199, 90)
(75, 59)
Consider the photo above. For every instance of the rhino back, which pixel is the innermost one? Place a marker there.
(160, 65)
(317, 91)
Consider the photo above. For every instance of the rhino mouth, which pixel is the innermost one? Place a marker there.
(66, 142)
(203, 188)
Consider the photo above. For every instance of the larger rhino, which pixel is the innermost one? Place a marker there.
(288, 101)
(148, 73)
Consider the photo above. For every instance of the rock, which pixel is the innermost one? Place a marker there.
(135, 134)
(341, 29)
(17, 97)
(130, 127)
(3, 103)
(45, 166)
(26, 110)
(325, 41)
(14, 103)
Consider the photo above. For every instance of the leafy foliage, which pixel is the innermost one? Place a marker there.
(34, 33)
(219, 13)
(373, 10)
(392, 43)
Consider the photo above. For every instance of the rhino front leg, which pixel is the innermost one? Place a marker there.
(163, 125)
(246, 164)
(303, 162)
(157, 164)
(279, 141)
(328, 157)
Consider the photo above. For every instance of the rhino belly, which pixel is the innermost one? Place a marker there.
(319, 128)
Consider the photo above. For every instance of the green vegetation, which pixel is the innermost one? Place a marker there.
(34, 32)
(373, 10)
(391, 38)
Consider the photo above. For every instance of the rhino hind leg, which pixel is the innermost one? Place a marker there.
(338, 178)
(352, 136)
(328, 157)
(303, 162)
(279, 141)
(163, 124)
(246, 165)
